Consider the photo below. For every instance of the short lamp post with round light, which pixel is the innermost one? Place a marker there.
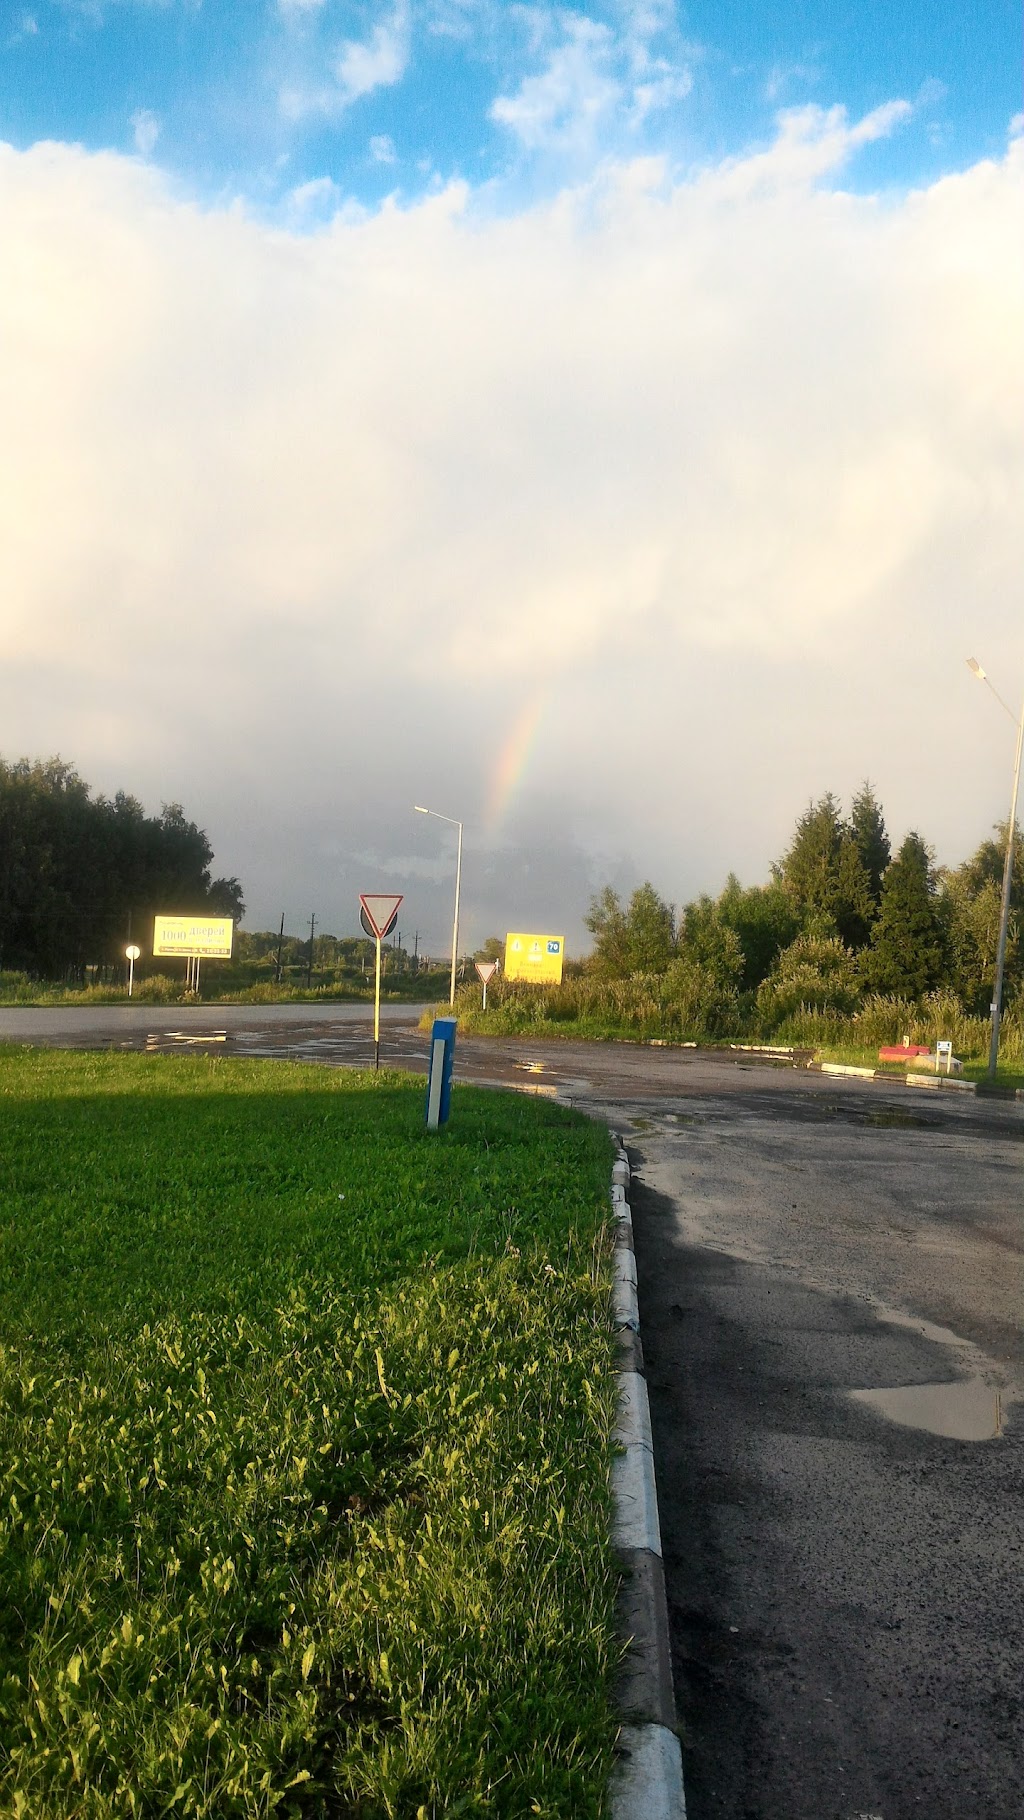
(1004, 907)
(458, 881)
(131, 955)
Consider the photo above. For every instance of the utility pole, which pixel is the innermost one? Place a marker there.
(280, 945)
(309, 969)
(416, 950)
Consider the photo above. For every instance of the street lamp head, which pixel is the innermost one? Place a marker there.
(419, 810)
(976, 670)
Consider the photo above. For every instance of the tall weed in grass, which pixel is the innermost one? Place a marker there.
(304, 1420)
(19, 989)
(882, 1020)
(643, 1006)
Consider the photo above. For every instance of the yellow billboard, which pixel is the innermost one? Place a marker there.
(534, 957)
(209, 936)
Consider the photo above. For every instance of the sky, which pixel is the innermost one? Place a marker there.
(601, 424)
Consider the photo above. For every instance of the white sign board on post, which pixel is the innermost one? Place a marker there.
(378, 913)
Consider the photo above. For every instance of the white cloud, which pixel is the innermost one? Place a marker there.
(318, 197)
(571, 96)
(376, 62)
(592, 76)
(292, 525)
(810, 142)
(145, 131)
(293, 10)
(356, 68)
(26, 26)
(382, 149)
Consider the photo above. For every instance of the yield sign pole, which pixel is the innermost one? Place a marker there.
(485, 970)
(378, 913)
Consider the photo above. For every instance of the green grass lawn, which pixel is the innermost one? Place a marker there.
(304, 1421)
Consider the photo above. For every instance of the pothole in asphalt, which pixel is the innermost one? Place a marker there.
(969, 1410)
(894, 1117)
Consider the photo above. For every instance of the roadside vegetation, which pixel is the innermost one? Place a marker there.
(304, 1433)
(83, 875)
(233, 983)
(846, 948)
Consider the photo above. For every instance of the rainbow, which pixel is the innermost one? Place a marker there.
(513, 759)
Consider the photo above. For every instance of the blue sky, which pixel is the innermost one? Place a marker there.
(605, 426)
(260, 98)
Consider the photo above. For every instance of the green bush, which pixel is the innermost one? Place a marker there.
(160, 989)
(815, 974)
(699, 1002)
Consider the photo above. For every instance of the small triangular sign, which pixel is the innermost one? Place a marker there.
(381, 912)
(485, 969)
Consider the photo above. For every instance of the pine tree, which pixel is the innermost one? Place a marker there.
(810, 868)
(867, 826)
(906, 952)
(853, 909)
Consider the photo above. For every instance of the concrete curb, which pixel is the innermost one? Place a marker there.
(948, 1083)
(647, 1782)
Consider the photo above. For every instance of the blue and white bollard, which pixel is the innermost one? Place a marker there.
(439, 1081)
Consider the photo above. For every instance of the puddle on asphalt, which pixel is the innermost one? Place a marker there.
(966, 1411)
(189, 1037)
(894, 1117)
(639, 1123)
(531, 1067)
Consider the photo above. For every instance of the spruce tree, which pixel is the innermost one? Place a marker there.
(854, 908)
(906, 952)
(810, 868)
(826, 877)
(867, 826)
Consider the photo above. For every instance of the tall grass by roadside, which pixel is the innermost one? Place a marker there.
(163, 989)
(652, 1007)
(304, 1420)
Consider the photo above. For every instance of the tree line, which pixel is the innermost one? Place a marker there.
(841, 918)
(82, 875)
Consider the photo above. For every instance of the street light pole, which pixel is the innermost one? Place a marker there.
(1004, 906)
(458, 885)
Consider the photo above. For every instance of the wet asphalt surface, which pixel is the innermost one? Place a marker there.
(846, 1592)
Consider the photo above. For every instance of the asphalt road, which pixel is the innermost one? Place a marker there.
(846, 1590)
(846, 1593)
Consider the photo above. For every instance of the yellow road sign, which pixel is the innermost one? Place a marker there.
(209, 936)
(534, 957)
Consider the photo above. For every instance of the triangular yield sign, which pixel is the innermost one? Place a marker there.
(485, 969)
(381, 911)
